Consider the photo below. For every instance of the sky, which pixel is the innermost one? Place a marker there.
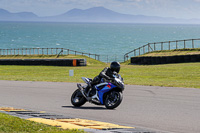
(165, 8)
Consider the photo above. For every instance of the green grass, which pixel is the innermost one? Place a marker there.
(171, 75)
(174, 52)
(11, 124)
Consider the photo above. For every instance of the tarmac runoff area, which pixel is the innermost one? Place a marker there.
(149, 108)
(63, 122)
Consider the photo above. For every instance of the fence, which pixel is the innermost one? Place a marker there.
(45, 51)
(167, 45)
(59, 51)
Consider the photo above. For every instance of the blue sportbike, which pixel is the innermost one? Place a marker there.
(107, 92)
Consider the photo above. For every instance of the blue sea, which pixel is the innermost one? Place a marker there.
(111, 41)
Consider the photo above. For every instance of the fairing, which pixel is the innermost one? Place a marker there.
(107, 87)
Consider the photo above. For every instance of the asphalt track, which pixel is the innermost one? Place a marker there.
(156, 108)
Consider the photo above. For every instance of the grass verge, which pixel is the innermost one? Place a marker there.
(171, 75)
(174, 52)
(11, 124)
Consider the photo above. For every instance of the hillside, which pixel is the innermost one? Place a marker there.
(95, 14)
(21, 16)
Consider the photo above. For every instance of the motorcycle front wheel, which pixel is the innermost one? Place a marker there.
(77, 99)
(113, 99)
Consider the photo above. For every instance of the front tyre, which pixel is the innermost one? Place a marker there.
(113, 99)
(77, 99)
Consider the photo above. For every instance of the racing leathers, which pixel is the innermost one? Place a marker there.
(106, 74)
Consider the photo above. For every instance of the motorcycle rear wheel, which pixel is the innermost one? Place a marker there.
(113, 99)
(77, 99)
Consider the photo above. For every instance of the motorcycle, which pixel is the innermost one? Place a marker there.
(107, 92)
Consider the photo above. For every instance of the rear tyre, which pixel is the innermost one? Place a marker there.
(113, 99)
(77, 99)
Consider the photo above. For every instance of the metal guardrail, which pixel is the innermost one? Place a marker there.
(166, 45)
(58, 52)
(45, 51)
(150, 47)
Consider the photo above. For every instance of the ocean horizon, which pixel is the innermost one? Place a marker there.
(110, 40)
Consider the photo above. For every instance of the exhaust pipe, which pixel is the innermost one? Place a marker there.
(88, 98)
(81, 90)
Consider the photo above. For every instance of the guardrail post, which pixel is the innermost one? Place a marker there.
(148, 47)
(169, 45)
(139, 51)
(192, 43)
(154, 46)
(127, 57)
(161, 45)
(143, 50)
(176, 44)
(184, 44)
(38, 51)
(134, 52)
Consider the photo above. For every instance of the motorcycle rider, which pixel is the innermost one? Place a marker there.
(106, 73)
